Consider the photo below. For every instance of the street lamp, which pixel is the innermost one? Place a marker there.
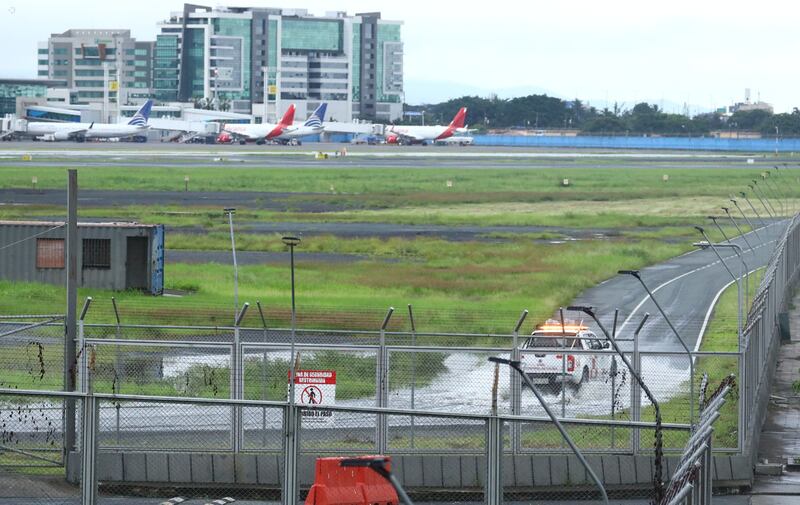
(637, 276)
(773, 186)
(741, 234)
(713, 247)
(753, 228)
(762, 197)
(230, 211)
(744, 195)
(292, 242)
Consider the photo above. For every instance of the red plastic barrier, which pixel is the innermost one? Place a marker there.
(337, 485)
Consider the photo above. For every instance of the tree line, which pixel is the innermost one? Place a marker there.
(539, 112)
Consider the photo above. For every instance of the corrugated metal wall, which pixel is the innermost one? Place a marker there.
(18, 262)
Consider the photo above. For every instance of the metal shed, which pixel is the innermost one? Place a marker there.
(114, 256)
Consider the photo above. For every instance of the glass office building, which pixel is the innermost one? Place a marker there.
(87, 59)
(10, 89)
(238, 56)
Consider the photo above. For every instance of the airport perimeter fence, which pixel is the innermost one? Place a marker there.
(173, 418)
(761, 337)
(468, 457)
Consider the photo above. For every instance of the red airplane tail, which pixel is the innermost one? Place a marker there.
(458, 120)
(288, 117)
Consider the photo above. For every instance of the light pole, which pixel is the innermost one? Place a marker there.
(741, 234)
(776, 141)
(735, 203)
(775, 188)
(292, 242)
(713, 247)
(777, 194)
(762, 197)
(787, 185)
(231, 211)
(635, 274)
(744, 195)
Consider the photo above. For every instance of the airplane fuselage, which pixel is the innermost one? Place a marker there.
(67, 131)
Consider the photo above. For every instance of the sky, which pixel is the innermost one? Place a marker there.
(702, 53)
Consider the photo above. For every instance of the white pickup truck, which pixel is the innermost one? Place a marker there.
(560, 366)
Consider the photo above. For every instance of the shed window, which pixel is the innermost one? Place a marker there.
(96, 253)
(49, 253)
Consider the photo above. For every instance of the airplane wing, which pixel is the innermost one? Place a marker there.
(408, 136)
(239, 135)
(74, 133)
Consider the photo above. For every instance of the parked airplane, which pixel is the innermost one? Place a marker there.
(312, 126)
(136, 126)
(425, 134)
(258, 133)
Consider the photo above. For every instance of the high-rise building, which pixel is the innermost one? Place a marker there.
(93, 61)
(234, 56)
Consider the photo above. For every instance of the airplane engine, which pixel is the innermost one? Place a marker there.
(224, 138)
(61, 136)
(392, 139)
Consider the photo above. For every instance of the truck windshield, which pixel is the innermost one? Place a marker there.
(551, 341)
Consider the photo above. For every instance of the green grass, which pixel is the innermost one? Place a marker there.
(461, 286)
(593, 179)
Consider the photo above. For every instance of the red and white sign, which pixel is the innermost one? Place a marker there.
(315, 388)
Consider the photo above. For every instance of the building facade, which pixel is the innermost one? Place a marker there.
(14, 90)
(235, 57)
(98, 65)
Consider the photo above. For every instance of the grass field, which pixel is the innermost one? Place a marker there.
(479, 284)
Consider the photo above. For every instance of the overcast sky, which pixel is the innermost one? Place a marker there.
(702, 52)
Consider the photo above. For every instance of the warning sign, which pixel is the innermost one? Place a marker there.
(315, 388)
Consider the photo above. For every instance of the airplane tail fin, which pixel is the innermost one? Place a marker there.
(458, 119)
(142, 115)
(316, 119)
(288, 117)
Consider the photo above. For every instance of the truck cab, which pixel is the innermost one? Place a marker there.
(568, 355)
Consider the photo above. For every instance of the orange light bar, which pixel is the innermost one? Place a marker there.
(554, 326)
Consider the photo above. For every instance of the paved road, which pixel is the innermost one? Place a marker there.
(686, 287)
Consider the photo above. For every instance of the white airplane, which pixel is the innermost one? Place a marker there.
(426, 134)
(258, 133)
(79, 132)
(312, 126)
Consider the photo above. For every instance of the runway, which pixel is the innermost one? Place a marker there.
(381, 156)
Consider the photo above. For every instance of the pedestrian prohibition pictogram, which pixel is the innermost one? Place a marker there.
(315, 388)
(311, 395)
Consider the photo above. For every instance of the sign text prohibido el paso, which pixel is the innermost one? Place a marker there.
(315, 388)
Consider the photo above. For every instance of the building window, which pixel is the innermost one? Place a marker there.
(49, 253)
(96, 253)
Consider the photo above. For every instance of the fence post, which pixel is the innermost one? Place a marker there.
(494, 460)
(413, 369)
(291, 427)
(516, 385)
(237, 380)
(382, 384)
(90, 427)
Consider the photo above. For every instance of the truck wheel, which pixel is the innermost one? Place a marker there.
(584, 378)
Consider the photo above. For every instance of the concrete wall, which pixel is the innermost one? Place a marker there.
(433, 472)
